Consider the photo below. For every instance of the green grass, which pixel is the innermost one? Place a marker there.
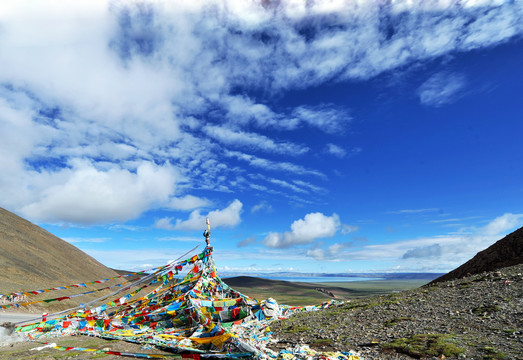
(358, 289)
(321, 342)
(285, 295)
(492, 354)
(299, 294)
(423, 345)
(88, 342)
(99, 356)
(362, 304)
(350, 306)
(292, 329)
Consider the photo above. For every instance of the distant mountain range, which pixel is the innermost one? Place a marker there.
(339, 276)
(33, 258)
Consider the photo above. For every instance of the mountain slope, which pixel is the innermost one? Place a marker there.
(505, 252)
(32, 258)
(474, 317)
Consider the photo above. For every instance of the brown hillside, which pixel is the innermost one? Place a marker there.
(505, 252)
(32, 258)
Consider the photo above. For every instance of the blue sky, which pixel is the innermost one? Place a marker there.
(321, 136)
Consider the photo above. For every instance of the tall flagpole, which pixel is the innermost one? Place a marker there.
(207, 233)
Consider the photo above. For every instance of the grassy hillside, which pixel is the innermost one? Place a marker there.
(301, 293)
(34, 259)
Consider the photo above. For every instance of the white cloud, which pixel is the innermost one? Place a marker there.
(297, 186)
(247, 241)
(261, 206)
(187, 202)
(179, 238)
(272, 165)
(502, 224)
(335, 150)
(252, 140)
(305, 231)
(436, 253)
(429, 251)
(316, 253)
(309, 186)
(367, 39)
(258, 187)
(413, 211)
(332, 253)
(137, 259)
(288, 185)
(87, 195)
(453, 220)
(442, 88)
(227, 217)
(18, 136)
(324, 117)
(76, 69)
(164, 223)
(242, 110)
(119, 84)
(347, 229)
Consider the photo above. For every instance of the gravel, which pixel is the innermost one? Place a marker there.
(481, 314)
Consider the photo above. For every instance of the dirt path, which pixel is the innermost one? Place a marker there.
(17, 317)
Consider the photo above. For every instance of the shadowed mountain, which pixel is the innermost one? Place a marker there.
(505, 252)
(32, 258)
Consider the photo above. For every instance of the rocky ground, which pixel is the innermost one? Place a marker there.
(476, 317)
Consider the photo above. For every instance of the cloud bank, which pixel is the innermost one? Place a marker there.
(227, 217)
(438, 253)
(305, 231)
(116, 92)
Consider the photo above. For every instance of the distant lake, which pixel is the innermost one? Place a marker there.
(319, 279)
